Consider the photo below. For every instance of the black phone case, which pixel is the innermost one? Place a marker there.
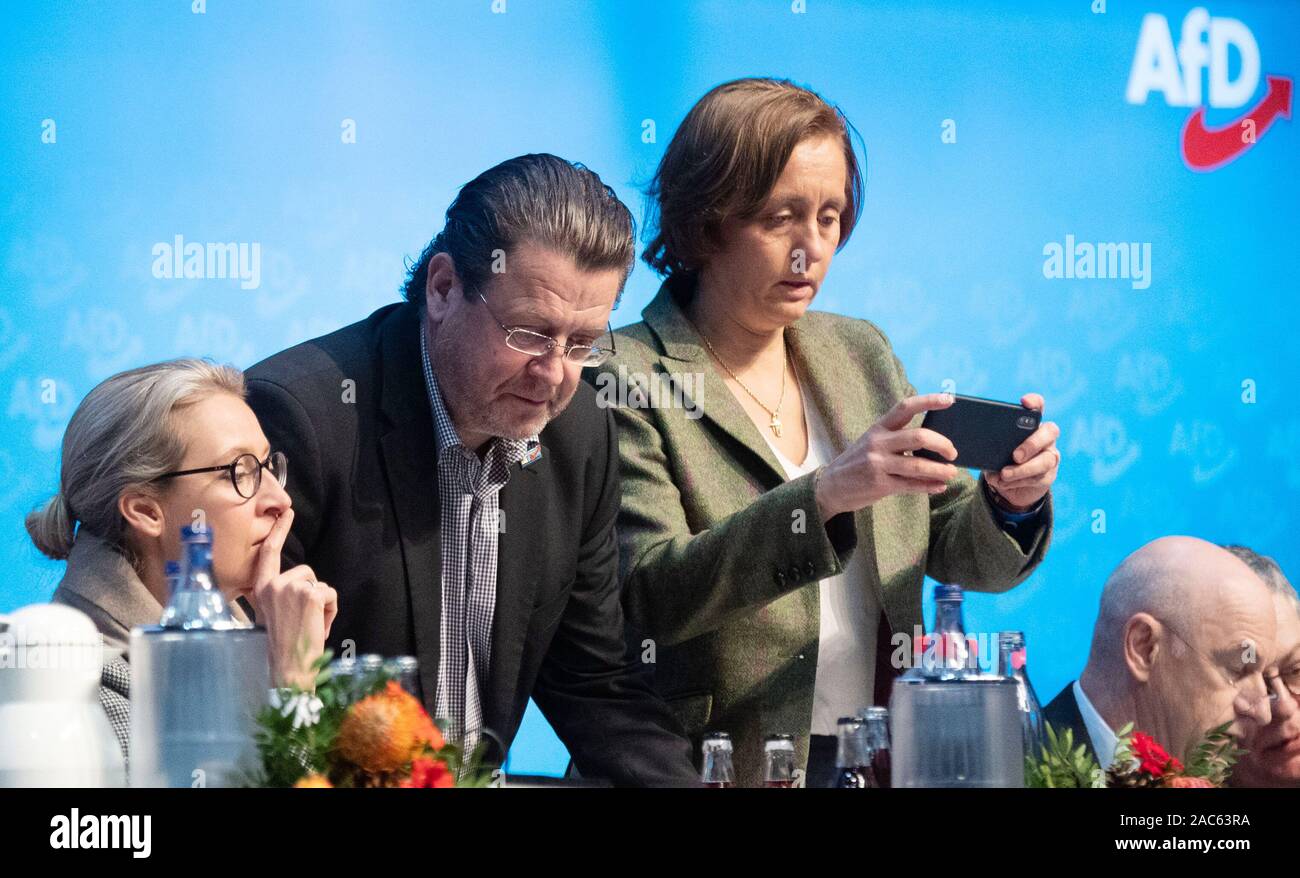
(985, 432)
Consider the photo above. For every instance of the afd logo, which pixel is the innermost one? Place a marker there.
(1158, 67)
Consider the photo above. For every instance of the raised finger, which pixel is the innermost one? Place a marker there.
(1033, 401)
(268, 556)
(902, 413)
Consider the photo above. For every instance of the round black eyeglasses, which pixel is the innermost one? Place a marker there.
(245, 472)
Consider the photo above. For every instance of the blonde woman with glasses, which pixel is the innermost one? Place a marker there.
(147, 452)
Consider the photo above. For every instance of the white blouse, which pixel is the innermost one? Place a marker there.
(850, 612)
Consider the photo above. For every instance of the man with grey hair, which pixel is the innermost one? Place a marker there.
(1182, 639)
(1272, 757)
(458, 484)
(1265, 568)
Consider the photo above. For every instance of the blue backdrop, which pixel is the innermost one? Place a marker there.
(332, 135)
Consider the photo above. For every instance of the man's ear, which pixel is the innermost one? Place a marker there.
(143, 513)
(439, 286)
(1143, 639)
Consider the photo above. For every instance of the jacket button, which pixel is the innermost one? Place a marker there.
(808, 568)
(780, 578)
(800, 656)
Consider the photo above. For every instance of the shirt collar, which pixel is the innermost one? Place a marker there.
(513, 450)
(1104, 740)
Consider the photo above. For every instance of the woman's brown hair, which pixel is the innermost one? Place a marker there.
(724, 161)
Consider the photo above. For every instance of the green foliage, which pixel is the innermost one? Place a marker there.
(475, 773)
(1214, 757)
(1062, 764)
(1124, 758)
(288, 753)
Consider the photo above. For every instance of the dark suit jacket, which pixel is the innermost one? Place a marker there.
(1063, 713)
(351, 412)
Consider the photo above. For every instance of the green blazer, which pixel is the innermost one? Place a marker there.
(720, 555)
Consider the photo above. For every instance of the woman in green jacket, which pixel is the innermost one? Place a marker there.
(776, 530)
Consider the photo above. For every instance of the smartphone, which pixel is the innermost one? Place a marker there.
(985, 432)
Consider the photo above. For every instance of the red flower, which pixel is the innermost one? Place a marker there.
(1152, 758)
(428, 774)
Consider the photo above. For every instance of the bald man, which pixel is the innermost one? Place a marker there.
(1182, 639)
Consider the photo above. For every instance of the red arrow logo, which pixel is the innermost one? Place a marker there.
(1205, 150)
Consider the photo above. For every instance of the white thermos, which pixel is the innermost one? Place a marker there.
(53, 730)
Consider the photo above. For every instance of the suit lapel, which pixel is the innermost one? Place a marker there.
(520, 563)
(1063, 713)
(846, 407)
(408, 449)
(684, 351)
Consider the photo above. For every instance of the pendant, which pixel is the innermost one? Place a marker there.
(776, 426)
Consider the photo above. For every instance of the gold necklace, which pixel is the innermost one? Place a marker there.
(775, 423)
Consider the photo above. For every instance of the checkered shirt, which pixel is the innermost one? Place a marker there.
(468, 495)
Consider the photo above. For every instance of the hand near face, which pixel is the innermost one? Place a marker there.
(297, 609)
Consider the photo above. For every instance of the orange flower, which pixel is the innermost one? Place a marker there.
(427, 734)
(1181, 782)
(382, 731)
(313, 782)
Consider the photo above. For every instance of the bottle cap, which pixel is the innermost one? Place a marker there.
(717, 741)
(948, 593)
(778, 742)
(201, 534)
